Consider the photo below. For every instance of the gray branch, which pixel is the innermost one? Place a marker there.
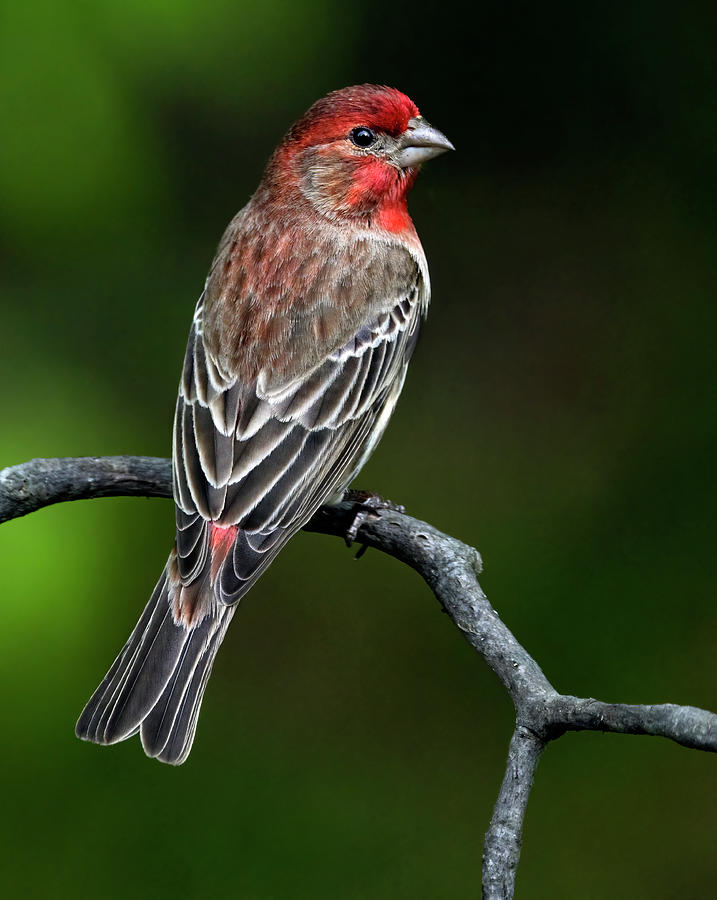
(501, 851)
(450, 568)
(41, 482)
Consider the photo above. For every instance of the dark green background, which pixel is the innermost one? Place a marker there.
(559, 415)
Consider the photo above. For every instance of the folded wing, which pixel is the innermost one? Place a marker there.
(262, 456)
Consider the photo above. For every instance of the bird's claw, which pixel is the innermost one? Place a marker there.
(368, 505)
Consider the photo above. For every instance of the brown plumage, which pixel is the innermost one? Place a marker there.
(296, 357)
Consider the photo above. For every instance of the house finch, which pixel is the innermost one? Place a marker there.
(296, 357)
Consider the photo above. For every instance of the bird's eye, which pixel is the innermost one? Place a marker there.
(363, 137)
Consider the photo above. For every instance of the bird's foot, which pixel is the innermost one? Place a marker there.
(368, 504)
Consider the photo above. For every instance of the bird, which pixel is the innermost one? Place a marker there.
(297, 354)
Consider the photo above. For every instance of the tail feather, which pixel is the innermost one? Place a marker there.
(98, 721)
(157, 682)
(168, 730)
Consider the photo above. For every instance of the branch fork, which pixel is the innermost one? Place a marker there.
(450, 568)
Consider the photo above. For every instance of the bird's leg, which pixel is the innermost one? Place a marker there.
(367, 504)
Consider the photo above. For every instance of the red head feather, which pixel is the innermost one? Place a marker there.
(317, 157)
(378, 107)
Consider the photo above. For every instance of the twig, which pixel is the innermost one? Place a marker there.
(42, 482)
(501, 849)
(450, 568)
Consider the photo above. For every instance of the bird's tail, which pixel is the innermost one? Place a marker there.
(156, 684)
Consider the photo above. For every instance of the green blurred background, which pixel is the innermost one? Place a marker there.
(559, 415)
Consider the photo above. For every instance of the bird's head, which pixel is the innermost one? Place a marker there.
(356, 153)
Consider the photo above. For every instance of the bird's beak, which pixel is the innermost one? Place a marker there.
(419, 142)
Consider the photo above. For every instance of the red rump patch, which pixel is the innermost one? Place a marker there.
(221, 541)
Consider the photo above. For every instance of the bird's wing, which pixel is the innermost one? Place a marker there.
(263, 456)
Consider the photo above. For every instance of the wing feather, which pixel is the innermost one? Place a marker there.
(249, 453)
(192, 544)
(263, 455)
(182, 491)
(243, 496)
(225, 409)
(291, 480)
(193, 473)
(216, 450)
